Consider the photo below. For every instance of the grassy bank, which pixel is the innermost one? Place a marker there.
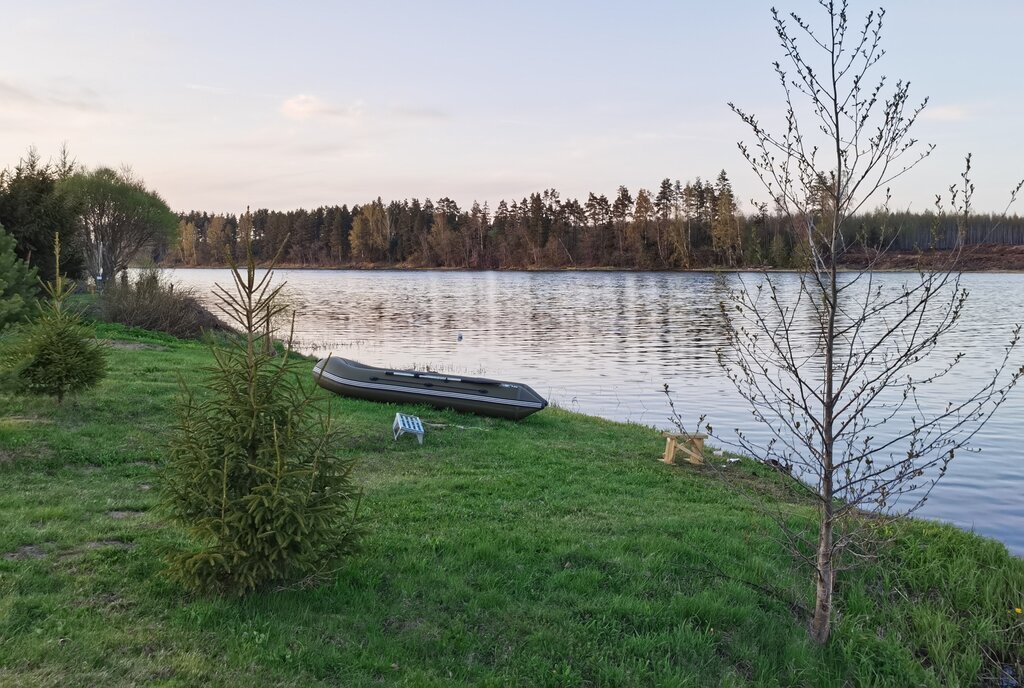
(556, 551)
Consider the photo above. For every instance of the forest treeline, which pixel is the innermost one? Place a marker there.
(105, 218)
(689, 225)
(680, 226)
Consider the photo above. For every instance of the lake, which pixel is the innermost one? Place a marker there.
(606, 343)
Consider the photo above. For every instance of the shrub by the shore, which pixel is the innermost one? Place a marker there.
(151, 302)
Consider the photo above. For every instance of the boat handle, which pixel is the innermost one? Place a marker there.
(428, 376)
(445, 378)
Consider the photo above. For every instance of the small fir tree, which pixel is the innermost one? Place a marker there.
(254, 473)
(18, 283)
(54, 354)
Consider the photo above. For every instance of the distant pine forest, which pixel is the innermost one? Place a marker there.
(681, 226)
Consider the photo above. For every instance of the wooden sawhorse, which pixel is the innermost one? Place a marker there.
(692, 447)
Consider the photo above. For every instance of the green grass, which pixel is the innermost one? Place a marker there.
(553, 552)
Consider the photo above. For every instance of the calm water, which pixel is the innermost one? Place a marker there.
(606, 343)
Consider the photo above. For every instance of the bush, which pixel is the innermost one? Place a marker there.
(18, 283)
(253, 473)
(153, 303)
(54, 354)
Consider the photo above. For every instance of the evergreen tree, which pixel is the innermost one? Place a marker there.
(338, 225)
(598, 241)
(18, 282)
(53, 354)
(33, 211)
(725, 234)
(254, 472)
(622, 209)
(665, 201)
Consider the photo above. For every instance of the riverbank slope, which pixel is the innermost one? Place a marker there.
(556, 551)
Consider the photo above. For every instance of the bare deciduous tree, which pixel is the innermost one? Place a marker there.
(835, 367)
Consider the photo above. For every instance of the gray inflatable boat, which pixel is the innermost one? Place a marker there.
(467, 394)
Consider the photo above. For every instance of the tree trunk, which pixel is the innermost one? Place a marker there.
(821, 623)
(109, 268)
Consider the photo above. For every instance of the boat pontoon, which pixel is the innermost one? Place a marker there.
(468, 394)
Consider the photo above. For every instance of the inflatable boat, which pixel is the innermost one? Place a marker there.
(467, 394)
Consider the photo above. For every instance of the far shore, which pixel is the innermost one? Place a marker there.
(992, 258)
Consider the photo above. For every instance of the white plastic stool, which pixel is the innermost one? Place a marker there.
(405, 423)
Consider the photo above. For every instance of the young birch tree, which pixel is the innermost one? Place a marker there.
(834, 367)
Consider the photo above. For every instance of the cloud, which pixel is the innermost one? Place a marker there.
(947, 113)
(207, 89)
(284, 144)
(306, 107)
(79, 99)
(10, 92)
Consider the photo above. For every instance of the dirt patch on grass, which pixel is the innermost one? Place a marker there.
(26, 552)
(108, 600)
(24, 420)
(104, 601)
(122, 515)
(28, 453)
(70, 555)
(748, 476)
(133, 346)
(103, 544)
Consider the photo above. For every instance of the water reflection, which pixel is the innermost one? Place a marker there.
(605, 343)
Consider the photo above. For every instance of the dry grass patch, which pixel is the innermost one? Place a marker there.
(133, 346)
(121, 515)
(26, 552)
(103, 544)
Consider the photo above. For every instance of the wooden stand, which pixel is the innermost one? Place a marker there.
(692, 447)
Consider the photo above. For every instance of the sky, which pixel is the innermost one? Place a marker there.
(222, 105)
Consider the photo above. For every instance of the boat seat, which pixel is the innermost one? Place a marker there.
(405, 423)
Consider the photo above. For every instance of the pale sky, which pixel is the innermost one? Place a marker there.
(220, 105)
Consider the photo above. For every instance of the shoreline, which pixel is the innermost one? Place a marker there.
(980, 258)
(403, 268)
